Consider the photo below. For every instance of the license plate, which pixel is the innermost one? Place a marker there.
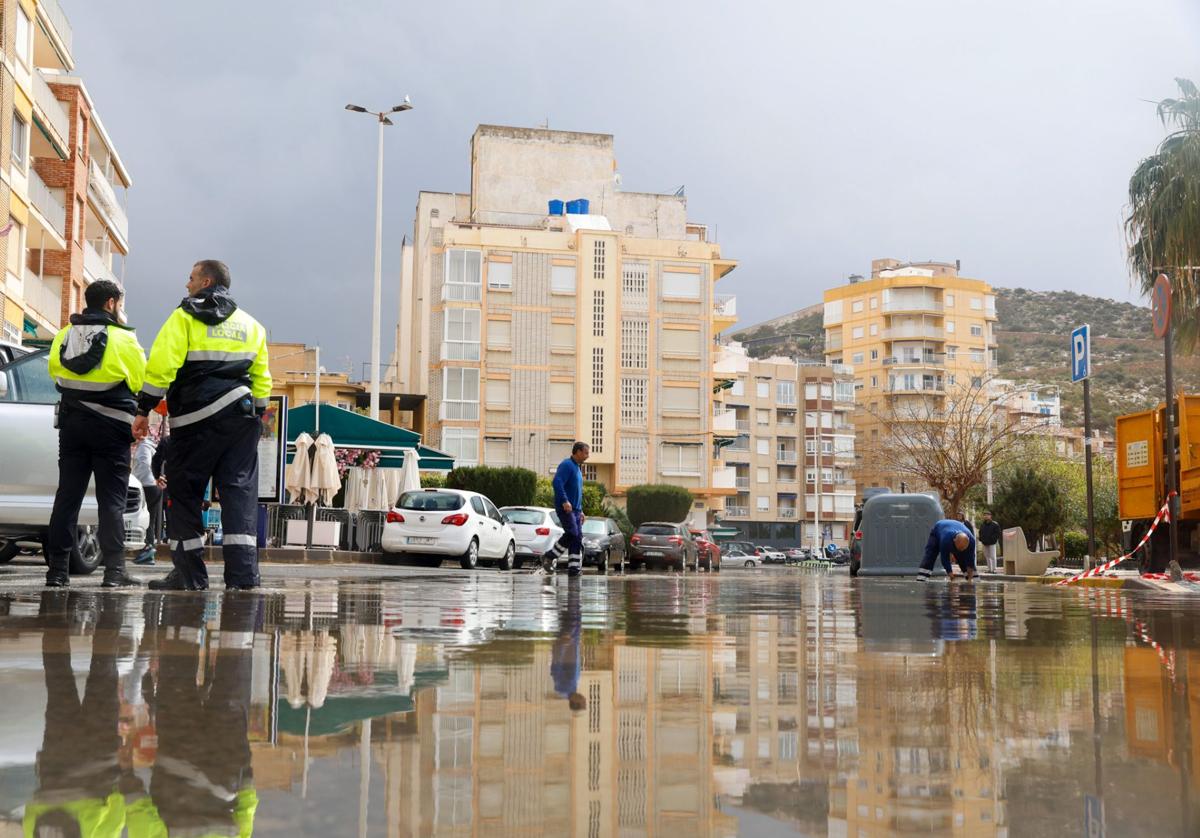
(412, 539)
(651, 553)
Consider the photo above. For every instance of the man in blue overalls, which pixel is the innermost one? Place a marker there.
(568, 503)
(949, 537)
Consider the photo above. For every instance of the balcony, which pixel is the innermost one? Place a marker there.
(783, 455)
(105, 196)
(725, 307)
(787, 512)
(725, 423)
(44, 296)
(737, 511)
(743, 425)
(47, 203)
(918, 304)
(925, 332)
(901, 388)
(50, 115)
(59, 28)
(95, 265)
(742, 483)
(724, 478)
(928, 360)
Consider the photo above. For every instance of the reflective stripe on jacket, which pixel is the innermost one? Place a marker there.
(98, 365)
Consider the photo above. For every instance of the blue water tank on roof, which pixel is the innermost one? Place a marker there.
(572, 208)
(582, 205)
(556, 207)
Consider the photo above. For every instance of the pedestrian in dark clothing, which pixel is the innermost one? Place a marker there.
(568, 503)
(989, 537)
(566, 659)
(97, 364)
(949, 537)
(966, 522)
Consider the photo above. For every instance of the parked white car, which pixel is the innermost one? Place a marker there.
(29, 469)
(537, 530)
(450, 522)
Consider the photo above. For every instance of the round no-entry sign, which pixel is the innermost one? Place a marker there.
(1161, 299)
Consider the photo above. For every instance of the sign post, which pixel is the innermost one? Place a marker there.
(1081, 370)
(1161, 298)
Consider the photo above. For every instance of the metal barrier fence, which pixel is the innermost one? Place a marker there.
(368, 530)
(360, 530)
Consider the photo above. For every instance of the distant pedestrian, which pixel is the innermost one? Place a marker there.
(143, 470)
(989, 537)
(97, 364)
(949, 537)
(962, 516)
(568, 503)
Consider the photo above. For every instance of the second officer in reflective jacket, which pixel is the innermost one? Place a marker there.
(210, 361)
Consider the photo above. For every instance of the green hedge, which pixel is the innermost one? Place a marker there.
(1074, 544)
(594, 497)
(658, 502)
(503, 486)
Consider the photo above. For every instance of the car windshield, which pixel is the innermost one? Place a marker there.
(430, 501)
(651, 530)
(533, 517)
(595, 527)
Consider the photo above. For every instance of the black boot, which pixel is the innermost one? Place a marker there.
(116, 577)
(173, 581)
(58, 578)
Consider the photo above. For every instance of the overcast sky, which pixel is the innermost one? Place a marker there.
(813, 136)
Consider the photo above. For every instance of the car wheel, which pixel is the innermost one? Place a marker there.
(85, 558)
(602, 564)
(470, 559)
(508, 560)
(8, 551)
(748, 563)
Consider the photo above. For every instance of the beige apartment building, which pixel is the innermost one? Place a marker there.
(62, 180)
(917, 334)
(794, 454)
(529, 325)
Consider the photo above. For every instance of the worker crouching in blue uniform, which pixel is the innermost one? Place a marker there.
(949, 537)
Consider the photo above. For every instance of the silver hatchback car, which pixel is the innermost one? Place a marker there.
(29, 469)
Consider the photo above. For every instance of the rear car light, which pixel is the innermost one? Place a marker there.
(542, 531)
(635, 539)
(394, 517)
(456, 520)
(674, 539)
(858, 535)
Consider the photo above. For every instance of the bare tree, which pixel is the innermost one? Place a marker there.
(945, 440)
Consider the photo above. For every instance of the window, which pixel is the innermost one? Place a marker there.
(763, 475)
(20, 139)
(24, 31)
(738, 388)
(598, 428)
(976, 304)
(631, 470)
(559, 450)
(843, 391)
(684, 286)
(856, 358)
(562, 279)
(635, 343)
(949, 301)
(976, 356)
(500, 275)
(764, 417)
(562, 337)
(460, 393)
(874, 381)
(499, 334)
(874, 329)
(680, 460)
(949, 327)
(826, 446)
(810, 391)
(634, 285)
(16, 248)
(497, 451)
(676, 399)
(785, 392)
(461, 334)
(810, 476)
(597, 370)
(598, 312)
(874, 303)
(462, 278)
(763, 388)
(79, 225)
(633, 402)
(680, 342)
(810, 446)
(874, 354)
(951, 380)
(762, 445)
(462, 444)
(29, 381)
(856, 307)
(598, 248)
(762, 504)
(951, 353)
(977, 331)
(562, 396)
(976, 381)
(856, 333)
(499, 392)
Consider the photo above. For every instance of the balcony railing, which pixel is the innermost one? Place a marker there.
(920, 332)
(44, 297)
(785, 456)
(725, 305)
(725, 421)
(742, 483)
(929, 360)
(43, 97)
(46, 203)
(916, 304)
(787, 512)
(58, 19)
(737, 511)
(743, 424)
(917, 387)
(106, 197)
(95, 263)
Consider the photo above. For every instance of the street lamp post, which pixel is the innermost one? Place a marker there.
(376, 298)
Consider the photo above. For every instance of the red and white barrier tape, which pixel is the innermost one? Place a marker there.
(1164, 514)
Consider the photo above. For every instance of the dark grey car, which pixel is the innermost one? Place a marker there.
(603, 543)
(663, 545)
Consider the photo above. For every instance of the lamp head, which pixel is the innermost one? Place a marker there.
(356, 108)
(406, 105)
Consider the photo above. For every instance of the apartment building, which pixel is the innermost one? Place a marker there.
(916, 334)
(793, 455)
(530, 324)
(64, 180)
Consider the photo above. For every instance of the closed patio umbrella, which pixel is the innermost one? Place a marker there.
(298, 479)
(410, 472)
(326, 482)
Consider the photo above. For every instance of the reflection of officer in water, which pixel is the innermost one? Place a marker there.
(566, 660)
(202, 783)
(81, 787)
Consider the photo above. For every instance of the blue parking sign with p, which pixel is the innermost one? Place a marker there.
(1081, 353)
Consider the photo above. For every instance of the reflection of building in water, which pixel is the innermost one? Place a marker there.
(1153, 726)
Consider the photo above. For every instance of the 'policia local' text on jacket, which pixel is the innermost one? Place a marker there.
(208, 355)
(98, 364)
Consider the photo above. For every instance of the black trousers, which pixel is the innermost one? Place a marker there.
(154, 503)
(223, 449)
(89, 445)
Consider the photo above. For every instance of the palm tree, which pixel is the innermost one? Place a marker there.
(1163, 227)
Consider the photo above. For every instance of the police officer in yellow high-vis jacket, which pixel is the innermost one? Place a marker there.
(210, 361)
(97, 364)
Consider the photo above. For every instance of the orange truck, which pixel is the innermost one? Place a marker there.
(1142, 481)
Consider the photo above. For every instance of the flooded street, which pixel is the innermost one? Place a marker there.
(488, 704)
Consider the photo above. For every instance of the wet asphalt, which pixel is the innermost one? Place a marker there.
(369, 700)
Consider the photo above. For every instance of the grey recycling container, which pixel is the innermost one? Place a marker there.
(894, 531)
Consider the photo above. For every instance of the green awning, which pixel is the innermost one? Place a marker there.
(724, 533)
(341, 711)
(352, 430)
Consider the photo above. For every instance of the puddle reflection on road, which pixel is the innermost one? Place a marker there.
(490, 704)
